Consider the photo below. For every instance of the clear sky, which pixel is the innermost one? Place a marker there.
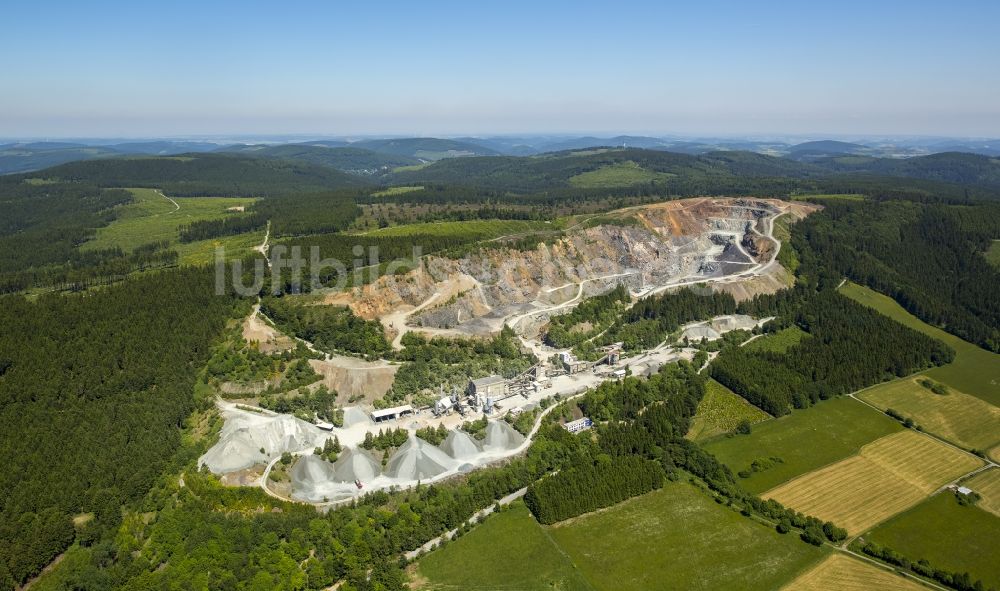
(137, 68)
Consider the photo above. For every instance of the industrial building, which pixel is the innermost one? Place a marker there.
(488, 387)
(579, 425)
(387, 414)
(571, 364)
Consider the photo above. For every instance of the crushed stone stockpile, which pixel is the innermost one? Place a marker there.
(500, 436)
(417, 460)
(246, 433)
(354, 415)
(461, 446)
(356, 464)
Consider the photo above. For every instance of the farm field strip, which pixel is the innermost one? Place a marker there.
(948, 535)
(956, 416)
(987, 484)
(885, 478)
(844, 573)
(805, 440)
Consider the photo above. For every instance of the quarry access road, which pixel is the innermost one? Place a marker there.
(413, 554)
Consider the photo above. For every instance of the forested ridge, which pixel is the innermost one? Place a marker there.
(852, 346)
(192, 175)
(94, 392)
(925, 256)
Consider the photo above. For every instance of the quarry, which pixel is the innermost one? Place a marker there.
(715, 244)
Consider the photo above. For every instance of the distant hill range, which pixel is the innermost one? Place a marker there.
(205, 174)
(28, 156)
(347, 159)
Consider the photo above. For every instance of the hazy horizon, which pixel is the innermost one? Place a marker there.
(719, 69)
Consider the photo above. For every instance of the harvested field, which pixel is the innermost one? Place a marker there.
(987, 484)
(805, 440)
(888, 476)
(958, 417)
(844, 573)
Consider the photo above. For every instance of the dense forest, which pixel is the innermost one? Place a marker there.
(582, 489)
(652, 319)
(853, 346)
(92, 405)
(334, 329)
(925, 256)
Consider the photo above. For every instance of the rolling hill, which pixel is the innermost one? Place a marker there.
(343, 158)
(205, 174)
(425, 148)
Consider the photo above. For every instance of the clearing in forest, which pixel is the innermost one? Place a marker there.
(886, 477)
(720, 412)
(844, 573)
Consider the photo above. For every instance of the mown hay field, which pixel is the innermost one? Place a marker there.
(720, 412)
(987, 484)
(804, 440)
(958, 417)
(844, 573)
(888, 476)
(948, 535)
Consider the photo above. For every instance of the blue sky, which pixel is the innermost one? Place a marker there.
(447, 68)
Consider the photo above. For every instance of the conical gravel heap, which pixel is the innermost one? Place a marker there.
(500, 436)
(460, 445)
(417, 460)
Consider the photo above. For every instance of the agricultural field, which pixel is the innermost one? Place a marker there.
(886, 477)
(962, 419)
(151, 217)
(841, 572)
(948, 535)
(720, 412)
(993, 254)
(621, 174)
(987, 485)
(679, 538)
(804, 440)
(510, 551)
(778, 342)
(674, 538)
(975, 371)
